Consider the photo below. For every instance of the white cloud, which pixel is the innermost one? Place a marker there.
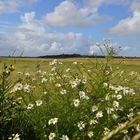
(67, 13)
(10, 6)
(126, 48)
(101, 50)
(35, 38)
(118, 2)
(28, 17)
(93, 5)
(135, 5)
(130, 25)
(94, 50)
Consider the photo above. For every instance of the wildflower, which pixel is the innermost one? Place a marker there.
(93, 122)
(12, 67)
(132, 73)
(44, 80)
(58, 85)
(44, 73)
(86, 98)
(90, 134)
(10, 138)
(14, 137)
(76, 102)
(116, 91)
(107, 72)
(33, 79)
(73, 84)
(19, 100)
(119, 96)
(53, 69)
(89, 70)
(30, 106)
(130, 115)
(75, 63)
(125, 131)
(99, 114)
(19, 73)
(60, 63)
(27, 74)
(83, 95)
(116, 104)
(52, 136)
(64, 137)
(68, 69)
(106, 131)
(54, 62)
(115, 116)
(63, 91)
(94, 108)
(109, 110)
(107, 97)
(84, 80)
(132, 92)
(53, 121)
(17, 87)
(45, 92)
(27, 88)
(38, 72)
(38, 102)
(105, 84)
(138, 113)
(6, 72)
(81, 125)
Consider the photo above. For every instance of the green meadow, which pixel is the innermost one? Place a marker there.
(30, 64)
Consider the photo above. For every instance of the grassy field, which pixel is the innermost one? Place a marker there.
(30, 64)
(69, 99)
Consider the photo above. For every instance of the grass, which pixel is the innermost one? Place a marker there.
(88, 102)
(30, 64)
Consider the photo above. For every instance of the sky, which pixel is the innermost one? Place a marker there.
(48, 27)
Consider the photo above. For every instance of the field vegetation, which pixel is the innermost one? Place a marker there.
(70, 99)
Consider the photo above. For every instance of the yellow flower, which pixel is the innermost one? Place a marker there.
(12, 67)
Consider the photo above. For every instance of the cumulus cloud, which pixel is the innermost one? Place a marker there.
(130, 25)
(67, 13)
(10, 6)
(35, 38)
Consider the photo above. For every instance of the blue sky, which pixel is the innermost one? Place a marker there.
(41, 27)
